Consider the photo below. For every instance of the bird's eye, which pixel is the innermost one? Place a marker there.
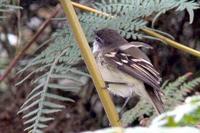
(98, 39)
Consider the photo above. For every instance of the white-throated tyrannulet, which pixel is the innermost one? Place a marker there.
(125, 68)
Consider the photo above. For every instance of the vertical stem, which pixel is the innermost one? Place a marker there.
(18, 24)
(90, 63)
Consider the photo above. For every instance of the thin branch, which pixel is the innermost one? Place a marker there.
(173, 43)
(147, 31)
(27, 46)
(90, 9)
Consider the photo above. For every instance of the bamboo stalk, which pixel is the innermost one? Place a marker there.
(90, 9)
(90, 63)
(147, 31)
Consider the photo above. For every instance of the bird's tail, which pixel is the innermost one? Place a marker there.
(155, 99)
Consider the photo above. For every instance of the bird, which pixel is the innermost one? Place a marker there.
(125, 68)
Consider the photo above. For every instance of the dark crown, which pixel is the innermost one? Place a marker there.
(109, 37)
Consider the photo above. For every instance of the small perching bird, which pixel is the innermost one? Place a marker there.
(125, 68)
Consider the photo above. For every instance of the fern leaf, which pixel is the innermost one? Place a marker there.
(29, 106)
(57, 63)
(174, 95)
(30, 127)
(64, 88)
(30, 120)
(35, 118)
(49, 111)
(191, 84)
(31, 98)
(58, 97)
(30, 113)
(44, 119)
(53, 105)
(35, 89)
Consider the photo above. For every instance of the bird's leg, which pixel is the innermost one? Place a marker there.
(124, 105)
(107, 85)
(110, 82)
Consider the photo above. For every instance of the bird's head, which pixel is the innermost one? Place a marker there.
(107, 38)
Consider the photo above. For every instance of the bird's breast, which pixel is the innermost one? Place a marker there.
(121, 83)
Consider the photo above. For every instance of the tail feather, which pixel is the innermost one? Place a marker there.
(154, 97)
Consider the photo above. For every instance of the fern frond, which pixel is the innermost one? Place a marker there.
(129, 18)
(36, 118)
(55, 63)
(187, 114)
(190, 84)
(172, 88)
(141, 8)
(165, 5)
(174, 95)
(140, 109)
(129, 15)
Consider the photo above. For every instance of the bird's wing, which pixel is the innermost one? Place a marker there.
(130, 59)
(135, 63)
(135, 45)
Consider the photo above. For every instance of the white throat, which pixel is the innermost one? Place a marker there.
(95, 47)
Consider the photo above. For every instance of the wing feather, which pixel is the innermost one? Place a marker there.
(135, 63)
(137, 67)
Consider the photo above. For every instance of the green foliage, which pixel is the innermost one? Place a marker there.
(187, 114)
(182, 119)
(60, 60)
(175, 93)
(129, 15)
(191, 84)
(41, 100)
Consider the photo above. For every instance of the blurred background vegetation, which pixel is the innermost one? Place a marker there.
(18, 26)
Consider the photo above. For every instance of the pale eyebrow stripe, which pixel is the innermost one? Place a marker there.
(141, 60)
(127, 46)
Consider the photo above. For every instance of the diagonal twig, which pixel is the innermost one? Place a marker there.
(147, 31)
(27, 46)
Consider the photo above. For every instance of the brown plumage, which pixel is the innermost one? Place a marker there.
(126, 68)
